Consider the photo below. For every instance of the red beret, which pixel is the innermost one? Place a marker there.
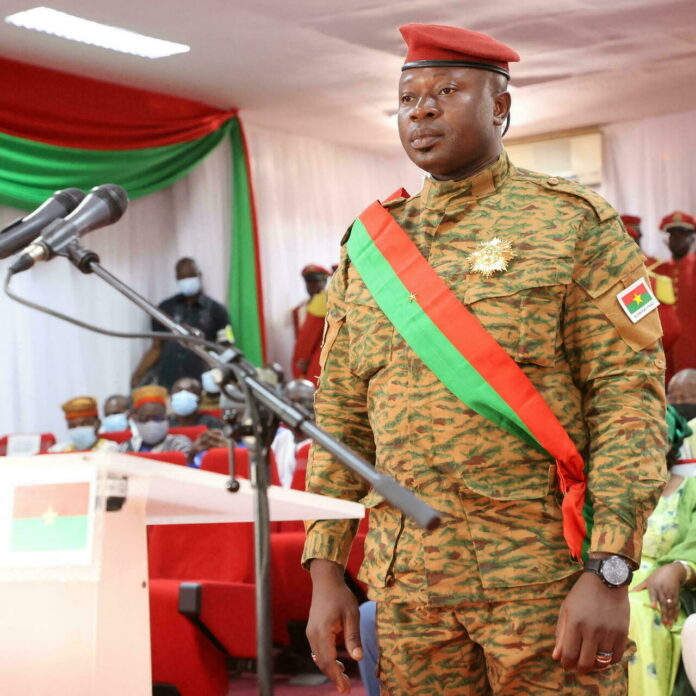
(630, 220)
(632, 232)
(431, 45)
(677, 219)
(313, 269)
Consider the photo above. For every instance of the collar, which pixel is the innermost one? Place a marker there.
(436, 194)
(199, 302)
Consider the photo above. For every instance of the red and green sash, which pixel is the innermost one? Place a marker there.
(463, 355)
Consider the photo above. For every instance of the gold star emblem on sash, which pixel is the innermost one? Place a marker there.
(491, 257)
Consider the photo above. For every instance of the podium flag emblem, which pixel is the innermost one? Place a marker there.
(51, 517)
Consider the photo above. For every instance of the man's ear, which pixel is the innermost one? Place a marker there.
(501, 107)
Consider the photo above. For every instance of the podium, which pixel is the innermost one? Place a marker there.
(73, 562)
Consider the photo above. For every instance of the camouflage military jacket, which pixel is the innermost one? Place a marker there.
(555, 311)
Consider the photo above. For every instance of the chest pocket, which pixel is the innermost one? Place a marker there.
(370, 333)
(523, 311)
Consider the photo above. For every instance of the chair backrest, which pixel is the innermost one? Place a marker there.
(117, 436)
(215, 412)
(216, 460)
(220, 551)
(26, 444)
(172, 457)
(191, 431)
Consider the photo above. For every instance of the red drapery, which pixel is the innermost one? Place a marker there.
(68, 110)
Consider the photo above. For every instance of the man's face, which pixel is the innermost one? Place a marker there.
(679, 242)
(187, 384)
(151, 410)
(449, 118)
(315, 284)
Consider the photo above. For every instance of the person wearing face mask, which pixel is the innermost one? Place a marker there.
(116, 408)
(681, 394)
(186, 398)
(167, 361)
(150, 424)
(82, 418)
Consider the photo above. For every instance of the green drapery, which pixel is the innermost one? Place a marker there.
(30, 171)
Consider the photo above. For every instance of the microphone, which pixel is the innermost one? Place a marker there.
(25, 230)
(102, 206)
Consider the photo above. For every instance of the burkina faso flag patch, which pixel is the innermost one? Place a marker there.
(50, 517)
(637, 300)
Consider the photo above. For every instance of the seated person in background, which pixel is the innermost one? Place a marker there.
(151, 427)
(681, 393)
(186, 397)
(667, 565)
(115, 409)
(287, 442)
(82, 418)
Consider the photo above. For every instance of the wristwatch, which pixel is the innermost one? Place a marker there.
(613, 570)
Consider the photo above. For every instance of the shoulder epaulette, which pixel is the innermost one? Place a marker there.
(602, 209)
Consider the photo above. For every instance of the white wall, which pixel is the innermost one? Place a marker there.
(650, 170)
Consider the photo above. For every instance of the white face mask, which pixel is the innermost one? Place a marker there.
(209, 385)
(114, 423)
(189, 286)
(82, 436)
(184, 402)
(152, 432)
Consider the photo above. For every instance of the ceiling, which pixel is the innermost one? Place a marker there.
(329, 68)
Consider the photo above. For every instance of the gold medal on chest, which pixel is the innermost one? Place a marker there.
(491, 257)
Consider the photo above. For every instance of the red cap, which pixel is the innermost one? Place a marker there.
(630, 220)
(632, 232)
(677, 219)
(313, 269)
(430, 45)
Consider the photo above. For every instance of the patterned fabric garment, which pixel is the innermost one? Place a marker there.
(555, 311)
(427, 650)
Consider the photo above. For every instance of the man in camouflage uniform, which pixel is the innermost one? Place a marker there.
(491, 602)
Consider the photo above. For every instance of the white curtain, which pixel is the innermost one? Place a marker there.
(307, 193)
(650, 169)
(46, 361)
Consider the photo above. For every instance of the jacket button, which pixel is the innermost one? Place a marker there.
(553, 181)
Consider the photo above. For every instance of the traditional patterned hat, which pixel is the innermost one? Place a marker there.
(314, 269)
(80, 407)
(632, 220)
(677, 219)
(149, 393)
(431, 45)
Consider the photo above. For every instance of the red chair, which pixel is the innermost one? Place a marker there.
(172, 457)
(216, 460)
(46, 442)
(191, 431)
(117, 436)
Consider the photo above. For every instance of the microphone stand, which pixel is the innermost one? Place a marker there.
(266, 408)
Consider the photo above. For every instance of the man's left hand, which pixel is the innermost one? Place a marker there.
(593, 618)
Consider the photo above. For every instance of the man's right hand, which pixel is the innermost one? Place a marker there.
(334, 610)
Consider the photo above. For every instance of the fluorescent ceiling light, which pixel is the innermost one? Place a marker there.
(77, 29)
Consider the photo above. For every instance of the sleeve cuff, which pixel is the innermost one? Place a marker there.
(617, 538)
(329, 540)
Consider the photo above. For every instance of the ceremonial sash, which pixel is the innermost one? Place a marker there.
(464, 356)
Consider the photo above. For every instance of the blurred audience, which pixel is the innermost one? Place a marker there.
(679, 228)
(287, 441)
(167, 361)
(116, 408)
(185, 402)
(667, 568)
(315, 278)
(82, 419)
(150, 424)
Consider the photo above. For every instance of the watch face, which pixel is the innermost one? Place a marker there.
(615, 570)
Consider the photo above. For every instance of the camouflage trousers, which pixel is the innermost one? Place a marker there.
(501, 649)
